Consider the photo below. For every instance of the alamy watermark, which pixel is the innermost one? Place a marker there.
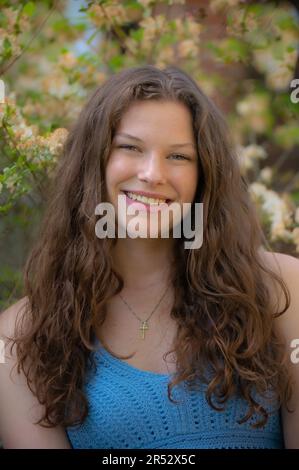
(295, 353)
(151, 221)
(2, 91)
(295, 93)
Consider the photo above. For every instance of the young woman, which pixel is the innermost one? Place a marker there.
(87, 363)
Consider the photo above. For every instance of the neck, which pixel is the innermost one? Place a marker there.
(143, 263)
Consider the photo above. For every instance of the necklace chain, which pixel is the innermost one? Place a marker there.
(144, 323)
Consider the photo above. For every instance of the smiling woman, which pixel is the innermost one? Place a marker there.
(91, 337)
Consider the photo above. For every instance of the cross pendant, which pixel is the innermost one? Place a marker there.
(143, 327)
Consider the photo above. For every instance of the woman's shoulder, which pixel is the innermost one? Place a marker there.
(19, 408)
(11, 315)
(281, 260)
(287, 267)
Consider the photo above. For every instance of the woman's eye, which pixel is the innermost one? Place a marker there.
(180, 157)
(175, 155)
(128, 147)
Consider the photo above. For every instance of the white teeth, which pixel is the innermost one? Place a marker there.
(147, 200)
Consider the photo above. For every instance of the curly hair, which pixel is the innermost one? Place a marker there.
(222, 302)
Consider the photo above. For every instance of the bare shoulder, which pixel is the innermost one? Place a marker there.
(19, 408)
(287, 268)
(10, 316)
(282, 264)
(288, 325)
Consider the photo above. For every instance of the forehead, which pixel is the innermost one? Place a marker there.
(157, 115)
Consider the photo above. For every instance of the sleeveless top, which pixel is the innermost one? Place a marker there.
(129, 409)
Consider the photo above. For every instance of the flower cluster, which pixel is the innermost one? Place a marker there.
(249, 155)
(279, 212)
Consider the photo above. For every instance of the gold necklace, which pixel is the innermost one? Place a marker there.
(144, 323)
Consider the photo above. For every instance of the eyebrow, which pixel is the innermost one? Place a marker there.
(123, 134)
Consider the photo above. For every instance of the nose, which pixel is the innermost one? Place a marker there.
(152, 170)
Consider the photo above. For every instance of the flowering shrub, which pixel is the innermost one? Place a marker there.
(51, 59)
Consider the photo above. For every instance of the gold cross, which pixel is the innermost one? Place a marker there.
(143, 327)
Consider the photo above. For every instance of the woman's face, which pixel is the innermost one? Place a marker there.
(153, 153)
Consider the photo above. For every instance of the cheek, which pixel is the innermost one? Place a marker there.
(188, 184)
(116, 172)
(119, 169)
(109, 179)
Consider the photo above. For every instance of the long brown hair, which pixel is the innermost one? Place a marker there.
(222, 303)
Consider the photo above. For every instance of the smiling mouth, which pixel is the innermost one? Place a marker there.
(145, 200)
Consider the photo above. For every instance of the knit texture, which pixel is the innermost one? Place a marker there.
(129, 409)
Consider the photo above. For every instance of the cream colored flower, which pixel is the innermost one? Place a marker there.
(278, 72)
(22, 131)
(194, 28)
(11, 182)
(253, 103)
(179, 27)
(53, 142)
(255, 151)
(165, 56)
(254, 108)
(11, 18)
(109, 13)
(132, 45)
(280, 78)
(241, 24)
(187, 48)
(67, 60)
(153, 26)
(266, 175)
(276, 208)
(56, 140)
(249, 155)
(116, 13)
(97, 15)
(295, 238)
(56, 84)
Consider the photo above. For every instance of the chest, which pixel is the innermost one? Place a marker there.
(125, 334)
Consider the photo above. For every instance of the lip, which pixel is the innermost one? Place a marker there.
(146, 194)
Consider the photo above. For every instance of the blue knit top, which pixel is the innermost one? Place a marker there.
(129, 409)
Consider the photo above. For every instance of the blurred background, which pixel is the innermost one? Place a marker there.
(53, 54)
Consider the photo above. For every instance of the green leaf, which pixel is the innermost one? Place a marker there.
(286, 22)
(137, 34)
(116, 63)
(295, 196)
(29, 9)
(287, 135)
(91, 38)
(7, 48)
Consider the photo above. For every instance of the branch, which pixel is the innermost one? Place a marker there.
(10, 64)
